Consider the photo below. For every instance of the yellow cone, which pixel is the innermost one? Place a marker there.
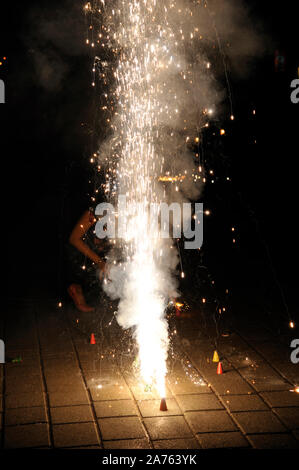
(215, 357)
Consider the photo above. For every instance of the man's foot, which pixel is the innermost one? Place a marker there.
(75, 291)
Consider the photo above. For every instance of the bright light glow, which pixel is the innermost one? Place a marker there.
(150, 109)
(171, 178)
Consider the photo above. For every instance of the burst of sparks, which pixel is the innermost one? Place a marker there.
(151, 81)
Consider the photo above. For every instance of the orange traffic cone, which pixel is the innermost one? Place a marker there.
(163, 406)
(219, 369)
(92, 339)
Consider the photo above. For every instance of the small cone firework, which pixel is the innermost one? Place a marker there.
(163, 406)
(92, 339)
(17, 360)
(216, 357)
(219, 369)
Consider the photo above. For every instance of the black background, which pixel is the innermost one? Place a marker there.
(45, 152)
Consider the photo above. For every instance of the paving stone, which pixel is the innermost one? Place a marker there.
(54, 347)
(62, 370)
(221, 440)
(76, 434)
(289, 416)
(273, 441)
(210, 421)
(21, 372)
(65, 362)
(240, 356)
(121, 428)
(289, 370)
(64, 384)
(108, 388)
(24, 345)
(58, 374)
(83, 447)
(96, 367)
(170, 427)
(262, 371)
(150, 408)
(281, 399)
(103, 377)
(254, 422)
(229, 383)
(141, 394)
(94, 353)
(259, 335)
(24, 400)
(23, 384)
(244, 403)
(25, 416)
(177, 444)
(110, 392)
(127, 444)
(268, 383)
(183, 386)
(114, 408)
(199, 402)
(71, 397)
(54, 335)
(273, 351)
(71, 414)
(31, 435)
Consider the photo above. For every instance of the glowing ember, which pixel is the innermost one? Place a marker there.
(179, 305)
(171, 179)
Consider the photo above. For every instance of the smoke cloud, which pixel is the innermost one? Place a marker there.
(160, 67)
(56, 39)
(191, 47)
(165, 59)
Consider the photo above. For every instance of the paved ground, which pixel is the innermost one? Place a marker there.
(67, 393)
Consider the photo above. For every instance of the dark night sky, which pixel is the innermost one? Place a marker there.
(42, 138)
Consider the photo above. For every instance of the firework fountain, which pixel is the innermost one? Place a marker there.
(160, 89)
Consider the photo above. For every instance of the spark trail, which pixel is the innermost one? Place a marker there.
(153, 118)
(145, 52)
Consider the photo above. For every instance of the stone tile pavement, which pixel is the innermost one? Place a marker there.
(67, 393)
